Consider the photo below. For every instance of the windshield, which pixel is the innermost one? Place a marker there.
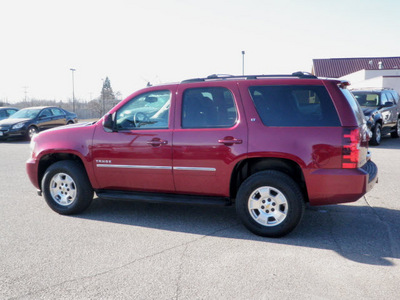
(367, 99)
(26, 113)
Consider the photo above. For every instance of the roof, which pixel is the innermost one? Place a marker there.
(338, 67)
(214, 77)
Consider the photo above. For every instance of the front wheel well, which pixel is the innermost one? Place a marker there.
(49, 159)
(248, 167)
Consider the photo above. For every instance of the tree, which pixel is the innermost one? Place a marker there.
(107, 96)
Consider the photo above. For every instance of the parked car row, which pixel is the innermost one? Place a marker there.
(29, 121)
(381, 108)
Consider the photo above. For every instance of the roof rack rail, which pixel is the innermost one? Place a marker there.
(249, 77)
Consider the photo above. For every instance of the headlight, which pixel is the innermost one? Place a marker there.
(18, 126)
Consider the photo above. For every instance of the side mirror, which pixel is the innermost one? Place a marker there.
(388, 104)
(108, 123)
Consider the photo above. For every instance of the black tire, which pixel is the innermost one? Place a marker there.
(376, 135)
(274, 219)
(396, 132)
(32, 130)
(66, 188)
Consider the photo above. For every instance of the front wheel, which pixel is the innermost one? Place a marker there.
(66, 188)
(396, 132)
(270, 203)
(376, 135)
(32, 130)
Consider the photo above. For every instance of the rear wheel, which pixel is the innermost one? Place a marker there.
(396, 132)
(376, 134)
(66, 188)
(270, 203)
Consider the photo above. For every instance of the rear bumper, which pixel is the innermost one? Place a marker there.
(332, 186)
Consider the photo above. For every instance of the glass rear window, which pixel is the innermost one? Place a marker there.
(298, 106)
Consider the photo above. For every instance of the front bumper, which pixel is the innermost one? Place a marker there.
(6, 133)
(32, 171)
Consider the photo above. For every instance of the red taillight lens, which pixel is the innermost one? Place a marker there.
(351, 148)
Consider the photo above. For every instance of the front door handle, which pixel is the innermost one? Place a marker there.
(229, 141)
(157, 142)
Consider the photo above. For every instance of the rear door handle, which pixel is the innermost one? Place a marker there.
(229, 141)
(157, 142)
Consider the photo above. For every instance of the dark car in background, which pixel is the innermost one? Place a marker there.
(29, 121)
(381, 108)
(6, 112)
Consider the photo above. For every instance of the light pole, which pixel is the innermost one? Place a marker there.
(243, 53)
(73, 90)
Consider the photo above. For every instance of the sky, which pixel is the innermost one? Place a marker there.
(134, 42)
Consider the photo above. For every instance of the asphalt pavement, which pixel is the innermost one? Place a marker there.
(121, 250)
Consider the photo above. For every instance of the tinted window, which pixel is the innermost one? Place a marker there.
(395, 96)
(11, 111)
(57, 112)
(3, 114)
(208, 108)
(146, 111)
(384, 99)
(294, 106)
(367, 99)
(45, 113)
(389, 97)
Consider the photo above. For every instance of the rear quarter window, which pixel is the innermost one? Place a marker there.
(294, 106)
(355, 106)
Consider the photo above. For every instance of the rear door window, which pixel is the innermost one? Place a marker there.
(298, 106)
(208, 107)
(57, 112)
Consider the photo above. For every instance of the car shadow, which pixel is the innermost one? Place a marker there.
(15, 140)
(388, 143)
(359, 233)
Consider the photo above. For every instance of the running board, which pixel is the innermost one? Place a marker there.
(162, 198)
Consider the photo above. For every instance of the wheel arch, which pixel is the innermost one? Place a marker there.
(250, 166)
(48, 159)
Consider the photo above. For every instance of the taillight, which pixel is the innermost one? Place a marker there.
(351, 148)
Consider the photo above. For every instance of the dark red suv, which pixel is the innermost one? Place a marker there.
(268, 144)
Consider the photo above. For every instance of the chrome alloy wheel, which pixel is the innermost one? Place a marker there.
(378, 134)
(398, 127)
(32, 131)
(63, 189)
(268, 206)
